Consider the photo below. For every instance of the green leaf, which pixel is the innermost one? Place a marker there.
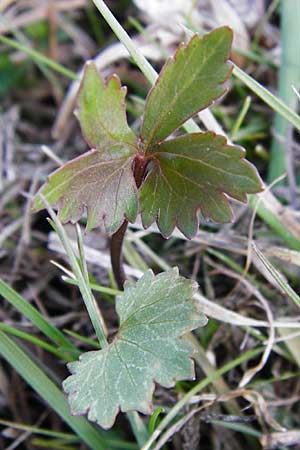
(189, 82)
(153, 314)
(192, 172)
(100, 182)
(101, 110)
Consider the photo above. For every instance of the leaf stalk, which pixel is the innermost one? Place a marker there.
(116, 243)
(116, 255)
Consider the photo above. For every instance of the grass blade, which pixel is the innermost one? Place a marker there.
(289, 75)
(275, 103)
(277, 276)
(31, 338)
(37, 379)
(274, 222)
(39, 57)
(34, 316)
(83, 282)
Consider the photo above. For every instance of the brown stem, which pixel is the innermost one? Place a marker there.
(116, 255)
(117, 239)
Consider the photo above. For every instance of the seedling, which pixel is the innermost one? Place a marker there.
(170, 179)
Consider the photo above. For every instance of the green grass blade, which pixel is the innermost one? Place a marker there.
(34, 316)
(138, 427)
(275, 103)
(122, 35)
(94, 287)
(90, 342)
(274, 222)
(84, 286)
(37, 379)
(31, 338)
(61, 444)
(39, 57)
(238, 427)
(153, 419)
(81, 275)
(55, 444)
(38, 430)
(289, 75)
(80, 272)
(240, 118)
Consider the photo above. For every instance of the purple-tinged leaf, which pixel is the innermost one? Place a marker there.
(95, 182)
(100, 181)
(195, 172)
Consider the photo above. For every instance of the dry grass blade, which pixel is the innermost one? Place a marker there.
(92, 255)
(211, 309)
(222, 314)
(179, 424)
(254, 398)
(271, 324)
(277, 277)
(259, 404)
(38, 12)
(273, 441)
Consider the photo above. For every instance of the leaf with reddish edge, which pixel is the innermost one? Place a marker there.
(154, 314)
(100, 181)
(101, 110)
(95, 181)
(192, 172)
(189, 82)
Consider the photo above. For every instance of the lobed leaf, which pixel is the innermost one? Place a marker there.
(100, 182)
(187, 174)
(153, 314)
(101, 110)
(192, 172)
(189, 82)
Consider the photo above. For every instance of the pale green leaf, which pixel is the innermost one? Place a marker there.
(195, 172)
(153, 314)
(189, 82)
